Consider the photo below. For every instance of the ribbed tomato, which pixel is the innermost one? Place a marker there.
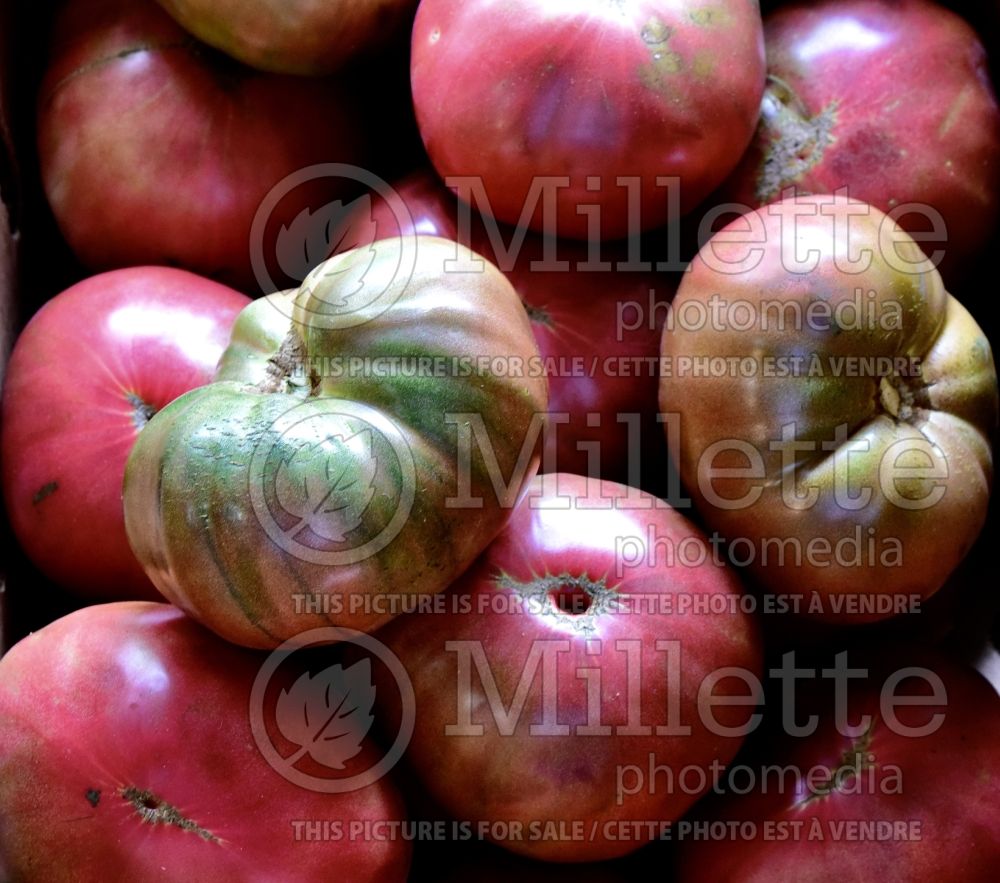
(833, 407)
(366, 437)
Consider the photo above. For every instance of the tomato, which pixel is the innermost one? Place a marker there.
(127, 725)
(878, 790)
(297, 37)
(367, 435)
(568, 687)
(156, 149)
(833, 407)
(509, 92)
(87, 373)
(892, 102)
(597, 327)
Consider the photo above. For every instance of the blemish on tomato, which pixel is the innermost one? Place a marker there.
(655, 32)
(154, 811)
(868, 148)
(538, 314)
(797, 140)
(955, 110)
(703, 64)
(44, 491)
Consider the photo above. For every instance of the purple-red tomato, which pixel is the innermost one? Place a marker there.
(588, 94)
(126, 728)
(587, 673)
(896, 782)
(91, 367)
(597, 327)
(156, 149)
(892, 101)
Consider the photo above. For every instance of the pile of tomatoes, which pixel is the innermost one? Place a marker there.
(466, 437)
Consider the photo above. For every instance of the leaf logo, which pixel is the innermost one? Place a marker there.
(328, 485)
(352, 287)
(312, 237)
(328, 714)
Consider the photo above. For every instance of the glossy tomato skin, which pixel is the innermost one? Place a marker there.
(306, 37)
(87, 373)
(564, 540)
(891, 101)
(135, 697)
(507, 90)
(932, 795)
(597, 327)
(156, 149)
(849, 414)
(313, 470)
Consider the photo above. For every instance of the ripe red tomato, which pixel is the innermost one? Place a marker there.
(590, 92)
(92, 366)
(908, 798)
(126, 726)
(556, 678)
(892, 101)
(156, 149)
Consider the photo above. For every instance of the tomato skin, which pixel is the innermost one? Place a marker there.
(86, 374)
(933, 794)
(798, 446)
(598, 330)
(898, 108)
(341, 462)
(509, 90)
(308, 37)
(135, 695)
(567, 534)
(156, 149)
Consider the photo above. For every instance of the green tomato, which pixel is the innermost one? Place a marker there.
(365, 438)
